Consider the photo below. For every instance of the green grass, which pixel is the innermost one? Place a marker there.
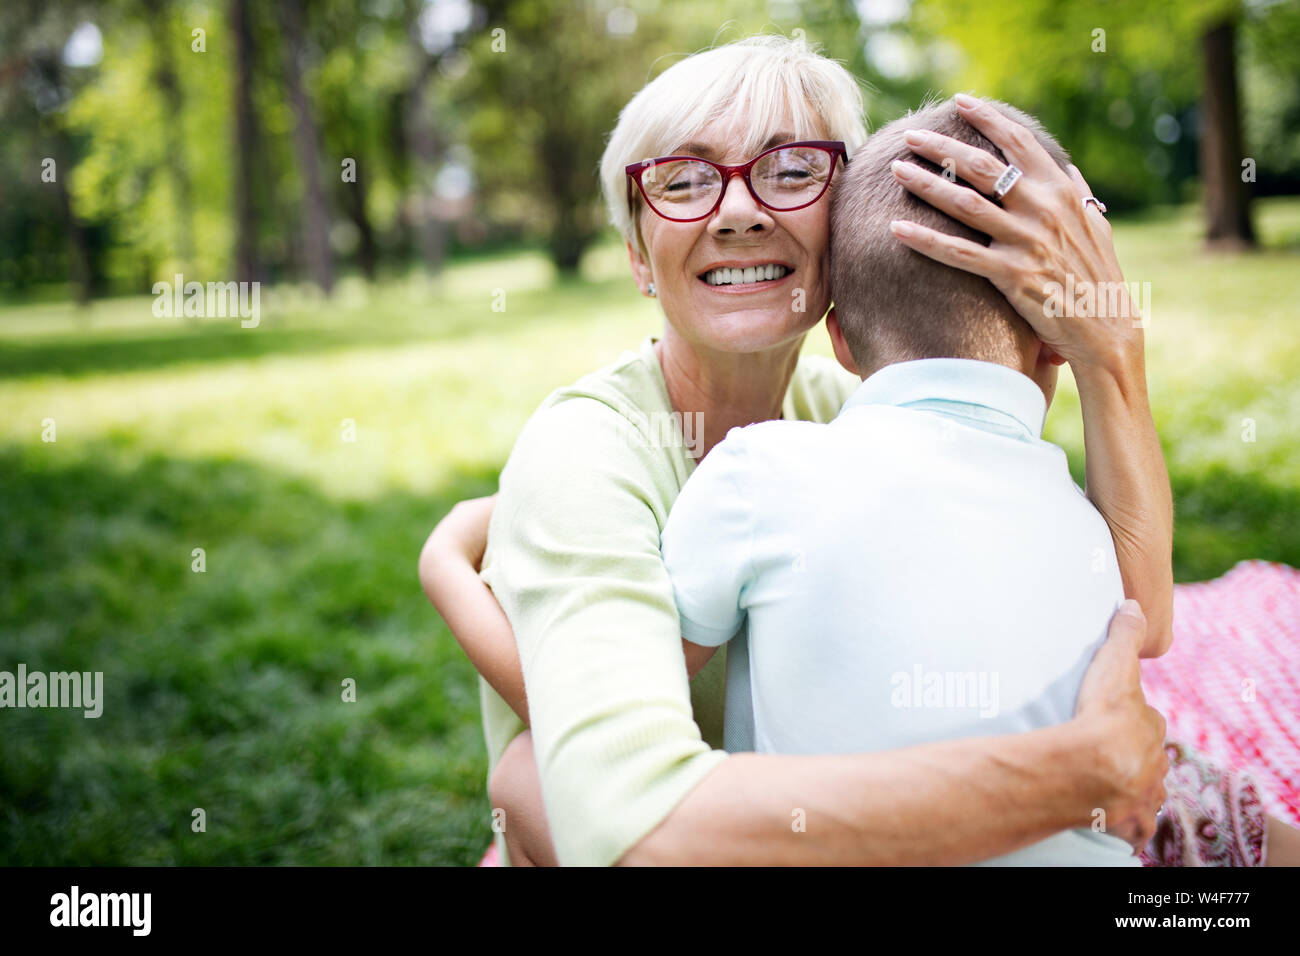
(223, 688)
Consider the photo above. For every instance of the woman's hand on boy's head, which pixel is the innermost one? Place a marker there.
(1047, 246)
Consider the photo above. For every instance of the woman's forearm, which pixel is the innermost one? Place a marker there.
(1129, 484)
(945, 803)
(476, 621)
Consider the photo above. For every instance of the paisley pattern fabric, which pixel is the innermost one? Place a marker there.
(1211, 816)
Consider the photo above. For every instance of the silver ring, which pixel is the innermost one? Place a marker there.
(1009, 177)
(1101, 206)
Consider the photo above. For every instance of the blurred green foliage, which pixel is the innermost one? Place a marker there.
(1119, 83)
(478, 124)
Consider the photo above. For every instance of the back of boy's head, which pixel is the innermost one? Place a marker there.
(893, 304)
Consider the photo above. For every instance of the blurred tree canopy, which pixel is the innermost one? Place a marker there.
(306, 138)
(1127, 85)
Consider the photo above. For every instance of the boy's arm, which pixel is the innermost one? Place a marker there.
(1129, 484)
(449, 566)
(697, 655)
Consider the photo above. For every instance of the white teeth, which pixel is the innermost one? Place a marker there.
(731, 276)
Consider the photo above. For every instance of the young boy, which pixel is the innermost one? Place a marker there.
(873, 559)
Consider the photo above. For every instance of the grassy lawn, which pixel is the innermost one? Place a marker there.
(223, 688)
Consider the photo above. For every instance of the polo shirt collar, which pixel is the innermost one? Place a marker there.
(948, 382)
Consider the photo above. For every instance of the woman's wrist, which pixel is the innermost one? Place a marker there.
(1121, 364)
(1075, 758)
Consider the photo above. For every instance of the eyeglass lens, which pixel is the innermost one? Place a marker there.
(782, 179)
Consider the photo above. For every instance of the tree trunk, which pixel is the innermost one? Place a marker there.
(247, 266)
(422, 148)
(354, 204)
(158, 13)
(1227, 197)
(568, 193)
(567, 244)
(49, 66)
(78, 250)
(424, 157)
(315, 213)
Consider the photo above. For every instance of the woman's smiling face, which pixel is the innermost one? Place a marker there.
(746, 316)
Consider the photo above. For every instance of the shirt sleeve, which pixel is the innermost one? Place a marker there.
(579, 573)
(706, 545)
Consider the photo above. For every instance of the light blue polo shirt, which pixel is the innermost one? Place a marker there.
(922, 568)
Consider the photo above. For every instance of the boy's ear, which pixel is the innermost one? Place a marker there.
(1051, 356)
(640, 269)
(840, 346)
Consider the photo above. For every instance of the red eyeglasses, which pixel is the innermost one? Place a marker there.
(783, 178)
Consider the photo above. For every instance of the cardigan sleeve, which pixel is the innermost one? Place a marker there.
(576, 565)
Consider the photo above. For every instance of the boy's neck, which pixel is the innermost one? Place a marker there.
(1025, 366)
(1034, 367)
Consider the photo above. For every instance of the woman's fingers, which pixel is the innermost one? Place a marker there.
(1085, 191)
(977, 166)
(1080, 183)
(960, 202)
(1114, 671)
(1043, 238)
(950, 250)
(1017, 143)
(1134, 734)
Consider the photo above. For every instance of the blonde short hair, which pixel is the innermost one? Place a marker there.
(765, 75)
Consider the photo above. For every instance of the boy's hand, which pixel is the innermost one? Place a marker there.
(1127, 735)
(697, 656)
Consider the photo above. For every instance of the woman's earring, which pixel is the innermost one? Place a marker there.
(650, 290)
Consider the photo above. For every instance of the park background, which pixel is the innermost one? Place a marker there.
(413, 316)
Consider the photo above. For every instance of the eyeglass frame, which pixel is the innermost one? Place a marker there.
(634, 171)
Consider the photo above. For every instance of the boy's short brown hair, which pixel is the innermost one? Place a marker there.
(894, 304)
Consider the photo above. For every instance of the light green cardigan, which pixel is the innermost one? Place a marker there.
(621, 735)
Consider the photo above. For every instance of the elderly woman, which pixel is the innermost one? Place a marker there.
(602, 751)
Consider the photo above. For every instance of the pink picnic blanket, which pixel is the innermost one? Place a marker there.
(1230, 686)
